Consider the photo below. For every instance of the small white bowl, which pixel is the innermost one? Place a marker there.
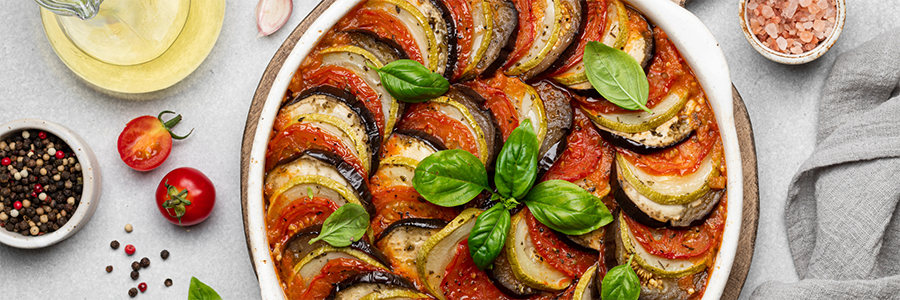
(795, 59)
(90, 194)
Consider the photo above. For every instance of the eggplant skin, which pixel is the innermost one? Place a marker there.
(375, 277)
(356, 181)
(385, 50)
(506, 23)
(450, 37)
(308, 233)
(483, 117)
(567, 34)
(573, 47)
(412, 222)
(372, 132)
(558, 108)
(504, 279)
(428, 139)
(635, 213)
(669, 134)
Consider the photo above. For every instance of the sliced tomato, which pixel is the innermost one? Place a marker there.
(461, 13)
(335, 271)
(667, 69)
(299, 137)
(681, 243)
(564, 258)
(384, 25)
(526, 32)
(464, 281)
(397, 203)
(451, 132)
(499, 104)
(347, 80)
(685, 158)
(593, 29)
(587, 160)
(300, 214)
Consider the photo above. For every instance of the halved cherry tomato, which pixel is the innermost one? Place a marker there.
(451, 132)
(587, 160)
(185, 196)
(397, 203)
(146, 141)
(562, 257)
(335, 271)
(300, 214)
(463, 280)
(299, 137)
(384, 25)
(681, 243)
(498, 102)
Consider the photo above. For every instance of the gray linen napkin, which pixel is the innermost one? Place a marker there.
(842, 214)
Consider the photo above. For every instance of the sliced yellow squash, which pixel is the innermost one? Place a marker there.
(527, 264)
(440, 248)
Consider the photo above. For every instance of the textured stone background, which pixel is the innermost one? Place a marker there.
(782, 101)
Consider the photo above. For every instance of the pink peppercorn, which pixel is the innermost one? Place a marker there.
(142, 287)
(5, 161)
(17, 205)
(60, 155)
(42, 135)
(129, 249)
(38, 188)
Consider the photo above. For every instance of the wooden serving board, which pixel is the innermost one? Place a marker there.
(750, 213)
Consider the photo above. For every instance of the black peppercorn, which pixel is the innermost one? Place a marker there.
(168, 282)
(135, 266)
(132, 292)
(61, 221)
(145, 262)
(135, 275)
(164, 254)
(114, 244)
(109, 269)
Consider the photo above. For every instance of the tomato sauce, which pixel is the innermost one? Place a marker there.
(383, 24)
(451, 132)
(587, 160)
(594, 27)
(464, 281)
(500, 106)
(568, 260)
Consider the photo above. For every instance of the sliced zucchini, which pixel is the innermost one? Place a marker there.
(555, 31)
(462, 108)
(311, 264)
(527, 264)
(395, 294)
(587, 287)
(401, 242)
(639, 43)
(639, 121)
(440, 248)
(669, 189)
(503, 18)
(354, 58)
(397, 172)
(660, 266)
(384, 50)
(428, 21)
(558, 107)
(502, 275)
(674, 131)
(613, 35)
(407, 150)
(372, 285)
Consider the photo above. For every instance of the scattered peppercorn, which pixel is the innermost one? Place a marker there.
(129, 249)
(164, 254)
(109, 269)
(135, 275)
(168, 282)
(145, 262)
(114, 244)
(132, 292)
(135, 266)
(142, 286)
(128, 228)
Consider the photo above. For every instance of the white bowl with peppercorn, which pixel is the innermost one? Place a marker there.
(792, 32)
(49, 183)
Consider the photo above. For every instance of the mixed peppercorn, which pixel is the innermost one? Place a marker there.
(136, 266)
(41, 183)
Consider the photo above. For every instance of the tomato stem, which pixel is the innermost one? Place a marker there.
(171, 123)
(176, 202)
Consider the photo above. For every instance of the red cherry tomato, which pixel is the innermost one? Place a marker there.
(185, 196)
(146, 142)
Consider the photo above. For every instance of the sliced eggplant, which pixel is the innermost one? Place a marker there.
(440, 248)
(463, 107)
(616, 33)
(614, 21)
(674, 131)
(527, 264)
(502, 275)
(317, 172)
(473, 23)
(549, 158)
(659, 266)
(590, 242)
(483, 118)
(337, 112)
(639, 43)
(640, 121)
(311, 265)
(428, 139)
(385, 50)
(559, 113)
(430, 24)
(372, 285)
(298, 246)
(408, 150)
(504, 20)
(401, 242)
(560, 20)
(356, 59)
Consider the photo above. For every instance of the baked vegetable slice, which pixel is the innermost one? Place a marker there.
(374, 285)
(401, 242)
(436, 254)
(505, 20)
(527, 264)
(552, 25)
(558, 109)
(660, 266)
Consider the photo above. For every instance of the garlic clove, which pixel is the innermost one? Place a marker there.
(272, 14)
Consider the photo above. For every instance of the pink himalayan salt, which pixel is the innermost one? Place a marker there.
(805, 3)
(806, 36)
(800, 24)
(772, 29)
(790, 9)
(796, 50)
(782, 43)
(767, 11)
(823, 4)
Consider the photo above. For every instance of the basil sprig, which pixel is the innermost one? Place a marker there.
(616, 76)
(621, 283)
(454, 177)
(200, 291)
(343, 227)
(409, 81)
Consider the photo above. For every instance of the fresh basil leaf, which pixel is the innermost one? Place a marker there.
(343, 227)
(616, 76)
(450, 177)
(201, 291)
(517, 162)
(621, 283)
(488, 236)
(566, 207)
(409, 81)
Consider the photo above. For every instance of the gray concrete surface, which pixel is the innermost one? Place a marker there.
(782, 101)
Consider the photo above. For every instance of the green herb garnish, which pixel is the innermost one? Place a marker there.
(616, 76)
(343, 227)
(201, 291)
(409, 81)
(621, 283)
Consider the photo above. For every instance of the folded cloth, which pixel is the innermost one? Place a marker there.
(842, 214)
